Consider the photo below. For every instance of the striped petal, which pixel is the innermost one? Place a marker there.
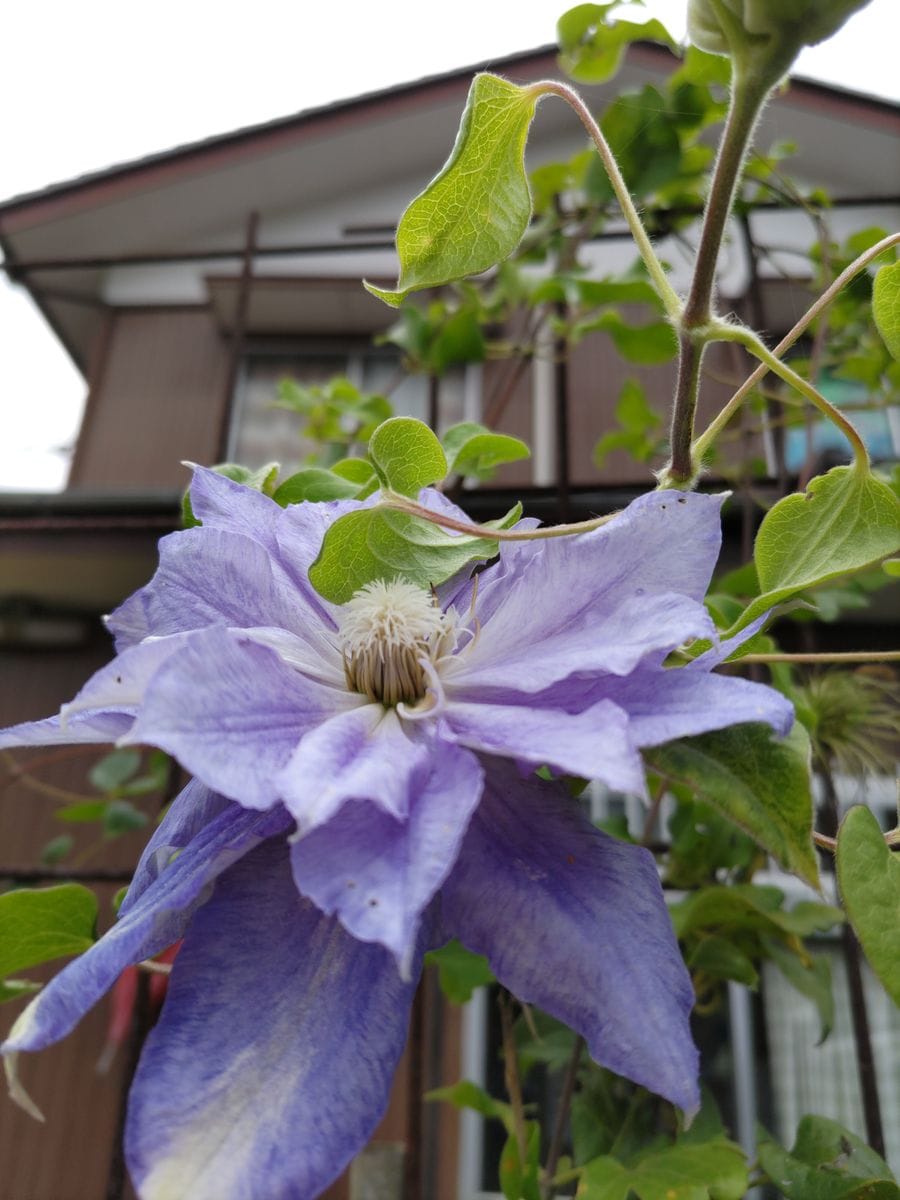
(271, 1064)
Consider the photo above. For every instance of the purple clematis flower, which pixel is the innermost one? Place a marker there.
(362, 791)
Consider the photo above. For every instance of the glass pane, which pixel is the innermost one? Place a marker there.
(263, 433)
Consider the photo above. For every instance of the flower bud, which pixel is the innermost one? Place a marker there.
(765, 35)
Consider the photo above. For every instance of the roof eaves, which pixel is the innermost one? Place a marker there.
(248, 133)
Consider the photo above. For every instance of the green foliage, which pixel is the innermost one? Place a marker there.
(752, 907)
(827, 1162)
(520, 1176)
(466, 1094)
(649, 345)
(40, 924)
(382, 543)
(713, 1170)
(886, 306)
(844, 521)
(869, 878)
(519, 1179)
(473, 450)
(57, 849)
(119, 777)
(810, 975)
(758, 782)
(726, 931)
(438, 337)
(645, 136)
(704, 844)
(591, 46)
(474, 212)
(406, 455)
(460, 971)
(120, 816)
(335, 413)
(638, 432)
(314, 484)
(109, 773)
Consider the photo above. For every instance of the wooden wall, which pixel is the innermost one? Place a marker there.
(157, 398)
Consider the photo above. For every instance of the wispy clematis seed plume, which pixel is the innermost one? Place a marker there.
(363, 790)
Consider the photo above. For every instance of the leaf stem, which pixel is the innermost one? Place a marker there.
(511, 1073)
(562, 1118)
(747, 338)
(670, 298)
(851, 656)
(403, 504)
(706, 439)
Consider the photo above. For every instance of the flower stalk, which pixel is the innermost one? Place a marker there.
(748, 94)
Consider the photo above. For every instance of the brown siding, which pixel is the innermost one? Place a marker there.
(595, 379)
(68, 1157)
(158, 398)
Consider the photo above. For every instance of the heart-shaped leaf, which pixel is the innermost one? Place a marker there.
(869, 877)
(383, 543)
(406, 455)
(474, 212)
(844, 521)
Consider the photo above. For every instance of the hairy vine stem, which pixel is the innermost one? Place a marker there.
(706, 439)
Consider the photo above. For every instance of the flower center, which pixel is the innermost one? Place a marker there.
(386, 631)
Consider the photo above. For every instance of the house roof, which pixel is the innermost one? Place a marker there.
(338, 177)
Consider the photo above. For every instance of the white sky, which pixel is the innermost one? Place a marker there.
(99, 82)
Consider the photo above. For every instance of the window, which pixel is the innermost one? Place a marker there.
(262, 432)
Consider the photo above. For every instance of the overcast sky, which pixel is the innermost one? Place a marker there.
(90, 84)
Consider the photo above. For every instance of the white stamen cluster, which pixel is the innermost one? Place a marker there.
(386, 630)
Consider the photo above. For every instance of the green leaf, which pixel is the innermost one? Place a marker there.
(406, 455)
(591, 47)
(38, 924)
(521, 1180)
(56, 849)
(82, 812)
(758, 782)
(813, 981)
(122, 817)
(474, 212)
(460, 971)
(155, 777)
(869, 877)
(115, 769)
(720, 958)
(355, 470)
(638, 426)
(592, 293)
(644, 137)
(750, 907)
(314, 483)
(827, 1162)
(844, 521)
(649, 344)
(472, 449)
(713, 1170)
(382, 543)
(886, 306)
(14, 989)
(466, 1094)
